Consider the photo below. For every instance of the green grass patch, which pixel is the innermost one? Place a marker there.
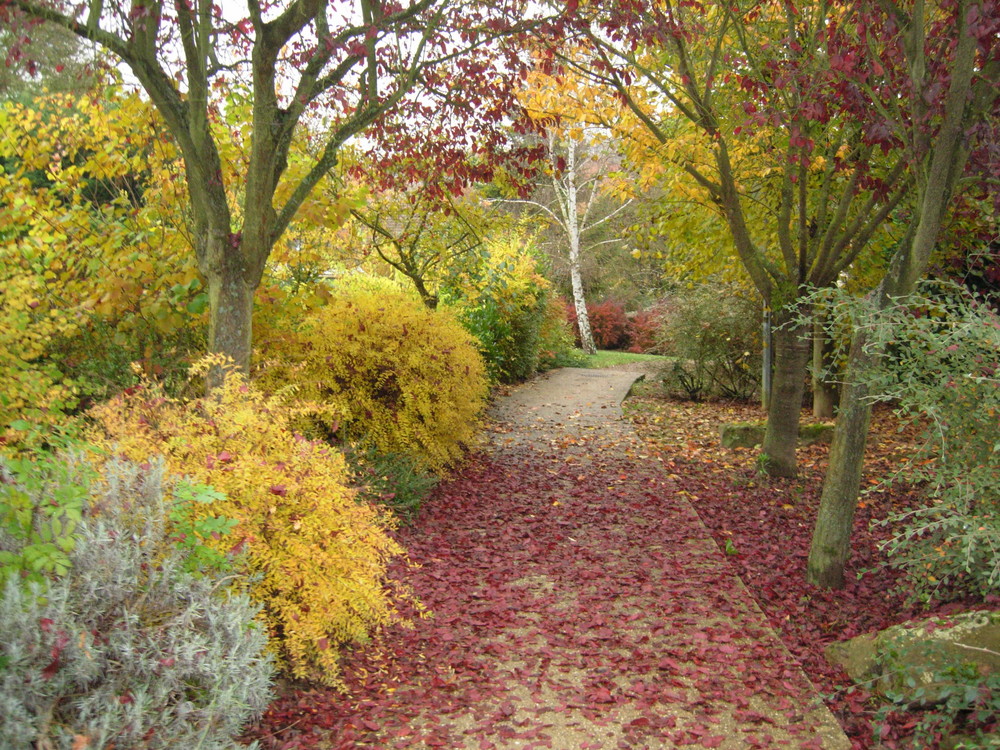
(604, 359)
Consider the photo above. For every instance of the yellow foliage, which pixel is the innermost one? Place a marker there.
(317, 557)
(393, 372)
(78, 244)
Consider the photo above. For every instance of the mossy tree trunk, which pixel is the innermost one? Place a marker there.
(791, 355)
(830, 546)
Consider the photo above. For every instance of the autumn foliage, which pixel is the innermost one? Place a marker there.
(316, 556)
(95, 266)
(388, 370)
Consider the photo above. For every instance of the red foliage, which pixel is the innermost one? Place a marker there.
(533, 546)
(644, 332)
(609, 324)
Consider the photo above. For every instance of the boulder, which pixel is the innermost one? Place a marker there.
(913, 663)
(751, 434)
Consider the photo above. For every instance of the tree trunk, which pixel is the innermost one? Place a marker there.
(944, 163)
(230, 324)
(831, 540)
(823, 386)
(232, 278)
(580, 304)
(566, 191)
(791, 355)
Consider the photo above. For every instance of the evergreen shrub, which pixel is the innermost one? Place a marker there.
(128, 646)
(557, 347)
(316, 556)
(507, 311)
(941, 370)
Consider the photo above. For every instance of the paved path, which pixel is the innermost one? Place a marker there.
(562, 406)
(579, 603)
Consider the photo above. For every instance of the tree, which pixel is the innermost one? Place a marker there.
(578, 165)
(428, 235)
(949, 58)
(576, 171)
(756, 82)
(400, 73)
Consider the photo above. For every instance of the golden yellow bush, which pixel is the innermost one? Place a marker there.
(392, 372)
(317, 556)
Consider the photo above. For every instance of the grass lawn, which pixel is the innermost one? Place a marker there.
(605, 359)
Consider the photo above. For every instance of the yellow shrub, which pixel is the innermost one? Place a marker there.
(393, 372)
(317, 557)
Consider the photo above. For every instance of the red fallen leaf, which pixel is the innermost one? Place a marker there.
(600, 695)
(278, 489)
(714, 741)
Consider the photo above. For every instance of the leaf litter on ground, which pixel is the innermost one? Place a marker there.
(559, 579)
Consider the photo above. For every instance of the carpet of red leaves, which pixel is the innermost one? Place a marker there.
(491, 545)
(769, 523)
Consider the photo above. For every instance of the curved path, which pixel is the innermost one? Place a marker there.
(578, 602)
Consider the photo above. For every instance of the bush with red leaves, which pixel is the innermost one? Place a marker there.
(609, 324)
(644, 335)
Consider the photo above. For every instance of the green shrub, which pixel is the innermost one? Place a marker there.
(556, 345)
(42, 499)
(942, 370)
(393, 373)
(964, 713)
(506, 309)
(713, 335)
(127, 648)
(509, 336)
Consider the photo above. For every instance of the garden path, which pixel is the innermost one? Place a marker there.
(578, 602)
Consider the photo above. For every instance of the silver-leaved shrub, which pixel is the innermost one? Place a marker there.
(129, 647)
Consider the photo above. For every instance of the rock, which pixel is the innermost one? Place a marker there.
(751, 434)
(910, 662)
(742, 434)
(818, 433)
